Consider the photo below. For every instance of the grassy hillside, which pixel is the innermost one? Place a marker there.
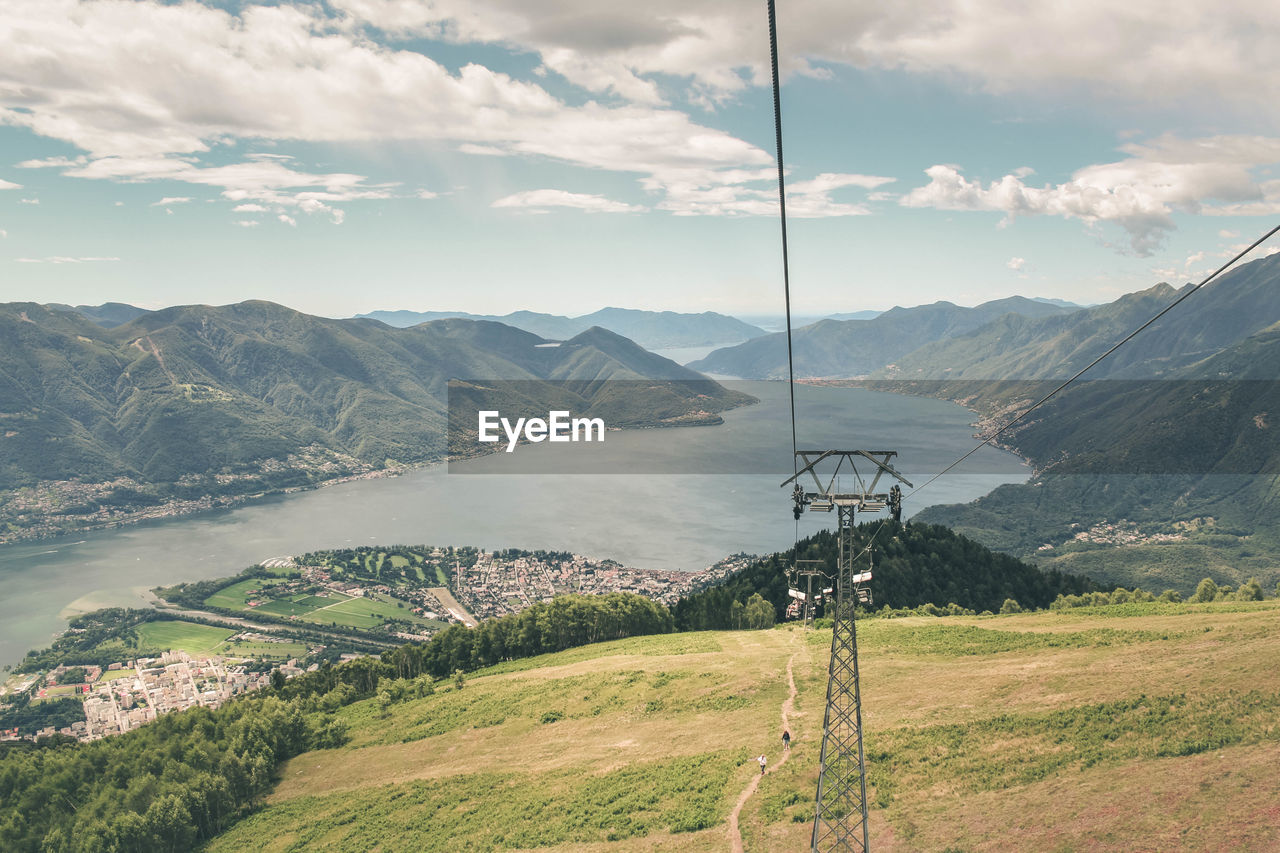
(1132, 727)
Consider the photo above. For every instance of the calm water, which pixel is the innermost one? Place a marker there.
(655, 520)
(684, 355)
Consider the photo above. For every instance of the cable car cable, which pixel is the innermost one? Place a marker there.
(782, 210)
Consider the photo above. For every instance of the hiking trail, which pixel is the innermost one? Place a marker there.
(788, 708)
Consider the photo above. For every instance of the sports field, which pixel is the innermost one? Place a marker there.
(273, 651)
(185, 636)
(368, 612)
(235, 596)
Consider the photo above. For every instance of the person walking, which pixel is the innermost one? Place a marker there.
(762, 761)
(786, 739)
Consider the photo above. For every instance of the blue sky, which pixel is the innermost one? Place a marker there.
(494, 155)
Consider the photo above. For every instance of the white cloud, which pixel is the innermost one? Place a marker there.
(248, 208)
(1212, 176)
(245, 223)
(1144, 50)
(29, 200)
(827, 181)
(148, 89)
(3, 234)
(171, 200)
(9, 185)
(60, 259)
(537, 201)
(427, 194)
(1228, 235)
(287, 220)
(1016, 264)
(481, 150)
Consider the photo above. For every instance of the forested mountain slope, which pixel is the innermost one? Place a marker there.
(250, 397)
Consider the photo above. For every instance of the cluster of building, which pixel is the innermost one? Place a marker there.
(133, 693)
(54, 507)
(1117, 533)
(496, 585)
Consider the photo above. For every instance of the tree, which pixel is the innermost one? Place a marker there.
(1171, 595)
(758, 613)
(1010, 606)
(459, 679)
(1251, 590)
(1206, 590)
(277, 679)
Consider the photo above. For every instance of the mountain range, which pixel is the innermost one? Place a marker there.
(650, 329)
(108, 314)
(1241, 303)
(198, 400)
(1169, 449)
(850, 348)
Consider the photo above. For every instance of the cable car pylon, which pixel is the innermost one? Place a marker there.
(840, 810)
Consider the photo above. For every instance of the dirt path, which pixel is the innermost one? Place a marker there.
(788, 707)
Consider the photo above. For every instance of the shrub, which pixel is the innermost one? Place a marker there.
(1206, 590)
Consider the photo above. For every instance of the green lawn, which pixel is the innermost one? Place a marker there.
(275, 651)
(319, 600)
(284, 607)
(366, 612)
(113, 674)
(234, 597)
(186, 636)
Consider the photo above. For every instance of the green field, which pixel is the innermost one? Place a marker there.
(186, 636)
(367, 612)
(113, 674)
(234, 597)
(273, 651)
(1134, 727)
(284, 607)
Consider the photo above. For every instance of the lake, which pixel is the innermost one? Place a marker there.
(636, 516)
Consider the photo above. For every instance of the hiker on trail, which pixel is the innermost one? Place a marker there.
(762, 760)
(786, 739)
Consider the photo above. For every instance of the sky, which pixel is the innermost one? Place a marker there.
(565, 155)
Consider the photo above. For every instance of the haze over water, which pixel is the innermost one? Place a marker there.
(647, 520)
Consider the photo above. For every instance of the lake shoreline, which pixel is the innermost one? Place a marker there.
(648, 502)
(177, 508)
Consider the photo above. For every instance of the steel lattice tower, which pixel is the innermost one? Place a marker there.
(840, 814)
(840, 821)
